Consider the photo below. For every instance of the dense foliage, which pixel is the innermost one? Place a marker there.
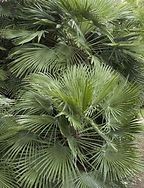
(71, 78)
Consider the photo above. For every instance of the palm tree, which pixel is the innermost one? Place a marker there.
(74, 130)
(73, 31)
(72, 71)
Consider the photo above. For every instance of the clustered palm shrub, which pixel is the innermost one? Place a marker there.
(71, 78)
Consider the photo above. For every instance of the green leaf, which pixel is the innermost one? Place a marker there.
(23, 36)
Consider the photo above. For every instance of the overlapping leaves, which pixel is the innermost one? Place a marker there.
(74, 119)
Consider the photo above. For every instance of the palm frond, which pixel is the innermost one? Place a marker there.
(116, 164)
(38, 58)
(54, 163)
(21, 37)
